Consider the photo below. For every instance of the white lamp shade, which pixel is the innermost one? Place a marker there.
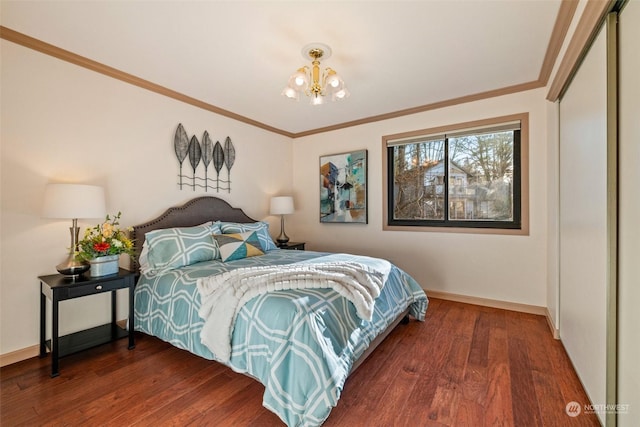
(281, 205)
(300, 79)
(333, 80)
(71, 201)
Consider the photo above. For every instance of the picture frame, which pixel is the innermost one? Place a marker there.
(343, 187)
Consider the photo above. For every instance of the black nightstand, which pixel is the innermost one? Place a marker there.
(293, 246)
(58, 288)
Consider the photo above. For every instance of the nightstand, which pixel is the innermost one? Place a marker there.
(58, 288)
(293, 246)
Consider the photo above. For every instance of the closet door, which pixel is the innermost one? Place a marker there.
(629, 215)
(583, 221)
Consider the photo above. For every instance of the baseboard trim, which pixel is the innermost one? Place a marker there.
(486, 302)
(34, 350)
(19, 355)
(504, 305)
(554, 331)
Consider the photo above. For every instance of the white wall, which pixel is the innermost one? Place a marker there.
(506, 268)
(63, 123)
(629, 213)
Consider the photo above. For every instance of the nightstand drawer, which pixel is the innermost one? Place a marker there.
(94, 288)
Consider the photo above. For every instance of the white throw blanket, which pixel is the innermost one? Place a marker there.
(223, 295)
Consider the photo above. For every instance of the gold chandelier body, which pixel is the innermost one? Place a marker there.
(312, 82)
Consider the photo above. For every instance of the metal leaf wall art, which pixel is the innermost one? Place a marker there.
(181, 144)
(218, 162)
(229, 157)
(195, 153)
(206, 153)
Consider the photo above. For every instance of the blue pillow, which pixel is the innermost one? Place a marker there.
(215, 227)
(171, 248)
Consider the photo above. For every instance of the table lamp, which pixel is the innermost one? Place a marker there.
(73, 201)
(282, 205)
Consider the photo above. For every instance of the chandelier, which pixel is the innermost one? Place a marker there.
(309, 81)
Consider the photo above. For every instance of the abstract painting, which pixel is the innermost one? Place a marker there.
(343, 187)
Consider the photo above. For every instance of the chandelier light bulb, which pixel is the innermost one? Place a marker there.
(290, 92)
(333, 79)
(300, 79)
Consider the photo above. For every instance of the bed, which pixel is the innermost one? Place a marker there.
(300, 343)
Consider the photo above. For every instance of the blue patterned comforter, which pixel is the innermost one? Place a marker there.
(314, 333)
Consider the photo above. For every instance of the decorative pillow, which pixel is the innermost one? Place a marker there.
(143, 259)
(238, 245)
(215, 227)
(261, 227)
(171, 248)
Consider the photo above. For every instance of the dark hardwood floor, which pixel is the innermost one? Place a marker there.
(465, 366)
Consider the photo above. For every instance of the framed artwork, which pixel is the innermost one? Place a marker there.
(343, 187)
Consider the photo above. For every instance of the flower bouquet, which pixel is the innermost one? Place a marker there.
(104, 240)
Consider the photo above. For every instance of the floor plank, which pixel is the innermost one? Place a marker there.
(464, 366)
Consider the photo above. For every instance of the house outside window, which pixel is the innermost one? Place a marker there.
(471, 177)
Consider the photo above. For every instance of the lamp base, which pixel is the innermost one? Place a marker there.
(72, 268)
(282, 239)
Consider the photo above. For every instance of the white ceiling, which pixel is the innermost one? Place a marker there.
(238, 55)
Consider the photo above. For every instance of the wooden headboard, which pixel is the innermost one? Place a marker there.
(195, 212)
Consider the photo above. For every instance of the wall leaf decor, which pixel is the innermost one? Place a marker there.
(229, 157)
(195, 153)
(218, 161)
(207, 153)
(181, 145)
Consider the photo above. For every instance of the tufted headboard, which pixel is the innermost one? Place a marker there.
(195, 212)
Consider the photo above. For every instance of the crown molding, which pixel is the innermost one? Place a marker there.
(586, 30)
(563, 20)
(65, 55)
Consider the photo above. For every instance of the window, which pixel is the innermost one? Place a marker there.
(467, 176)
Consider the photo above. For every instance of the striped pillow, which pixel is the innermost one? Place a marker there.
(172, 248)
